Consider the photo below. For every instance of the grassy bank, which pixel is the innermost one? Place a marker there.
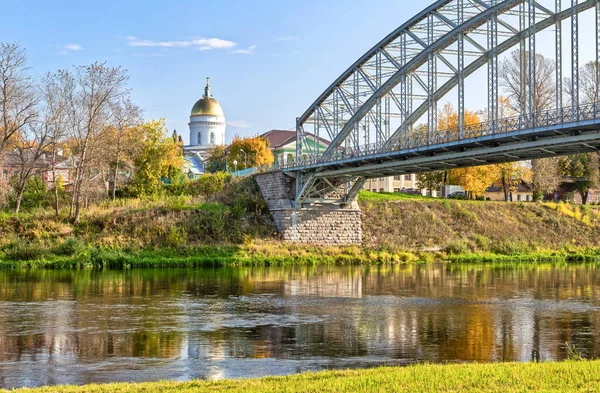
(491, 229)
(77, 255)
(74, 254)
(562, 377)
(236, 229)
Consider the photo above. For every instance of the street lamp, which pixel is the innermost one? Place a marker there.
(235, 165)
(245, 159)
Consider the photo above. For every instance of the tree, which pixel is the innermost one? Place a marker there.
(35, 193)
(588, 81)
(17, 94)
(249, 152)
(545, 177)
(431, 180)
(447, 122)
(89, 92)
(29, 148)
(474, 180)
(54, 118)
(509, 75)
(584, 170)
(125, 115)
(510, 175)
(159, 157)
(17, 99)
(217, 160)
(544, 174)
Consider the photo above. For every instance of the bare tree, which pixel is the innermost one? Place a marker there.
(17, 98)
(545, 177)
(17, 93)
(125, 115)
(54, 119)
(30, 148)
(89, 92)
(510, 72)
(588, 83)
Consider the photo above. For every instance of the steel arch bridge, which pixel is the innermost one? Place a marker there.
(371, 110)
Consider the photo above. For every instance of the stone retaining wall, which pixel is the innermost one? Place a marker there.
(318, 225)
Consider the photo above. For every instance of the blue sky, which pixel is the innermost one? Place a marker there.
(267, 60)
(291, 50)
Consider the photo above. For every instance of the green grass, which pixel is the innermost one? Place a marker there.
(543, 256)
(564, 377)
(74, 254)
(369, 196)
(77, 254)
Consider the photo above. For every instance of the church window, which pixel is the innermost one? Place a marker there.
(199, 138)
(212, 138)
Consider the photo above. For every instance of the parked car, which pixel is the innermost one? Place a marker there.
(409, 191)
(457, 195)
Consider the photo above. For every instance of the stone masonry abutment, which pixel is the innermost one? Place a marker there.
(316, 224)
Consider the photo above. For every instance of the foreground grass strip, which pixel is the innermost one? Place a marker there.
(582, 376)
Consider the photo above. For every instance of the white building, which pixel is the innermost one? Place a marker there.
(207, 123)
(398, 183)
(207, 130)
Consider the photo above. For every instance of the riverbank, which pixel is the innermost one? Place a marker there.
(78, 255)
(187, 232)
(563, 377)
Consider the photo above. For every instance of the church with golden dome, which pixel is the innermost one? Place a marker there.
(207, 125)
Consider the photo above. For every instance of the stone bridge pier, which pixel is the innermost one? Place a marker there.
(318, 224)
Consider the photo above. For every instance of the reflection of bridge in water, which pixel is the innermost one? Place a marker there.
(371, 111)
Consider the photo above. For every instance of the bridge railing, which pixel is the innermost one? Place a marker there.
(415, 140)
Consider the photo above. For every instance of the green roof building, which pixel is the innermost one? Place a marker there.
(283, 144)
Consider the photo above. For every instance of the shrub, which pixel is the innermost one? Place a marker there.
(22, 251)
(69, 247)
(457, 247)
(177, 237)
(482, 242)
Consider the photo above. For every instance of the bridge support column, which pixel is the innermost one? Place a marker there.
(319, 224)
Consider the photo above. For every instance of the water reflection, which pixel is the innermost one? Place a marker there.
(96, 326)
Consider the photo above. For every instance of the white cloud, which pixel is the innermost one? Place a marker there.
(70, 48)
(74, 47)
(200, 43)
(249, 51)
(238, 124)
(286, 38)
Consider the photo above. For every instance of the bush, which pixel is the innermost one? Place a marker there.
(23, 251)
(69, 247)
(457, 247)
(35, 195)
(206, 185)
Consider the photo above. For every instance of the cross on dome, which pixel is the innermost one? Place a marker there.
(207, 88)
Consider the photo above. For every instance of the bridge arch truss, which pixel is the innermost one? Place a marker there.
(377, 102)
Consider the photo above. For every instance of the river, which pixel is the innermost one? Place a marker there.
(84, 326)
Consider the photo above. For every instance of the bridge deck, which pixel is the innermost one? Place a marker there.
(548, 140)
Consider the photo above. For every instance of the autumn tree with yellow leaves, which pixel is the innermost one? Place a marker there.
(474, 180)
(159, 156)
(249, 152)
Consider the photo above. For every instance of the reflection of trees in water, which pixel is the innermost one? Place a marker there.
(406, 312)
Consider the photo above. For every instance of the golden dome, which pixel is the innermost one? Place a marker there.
(207, 106)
